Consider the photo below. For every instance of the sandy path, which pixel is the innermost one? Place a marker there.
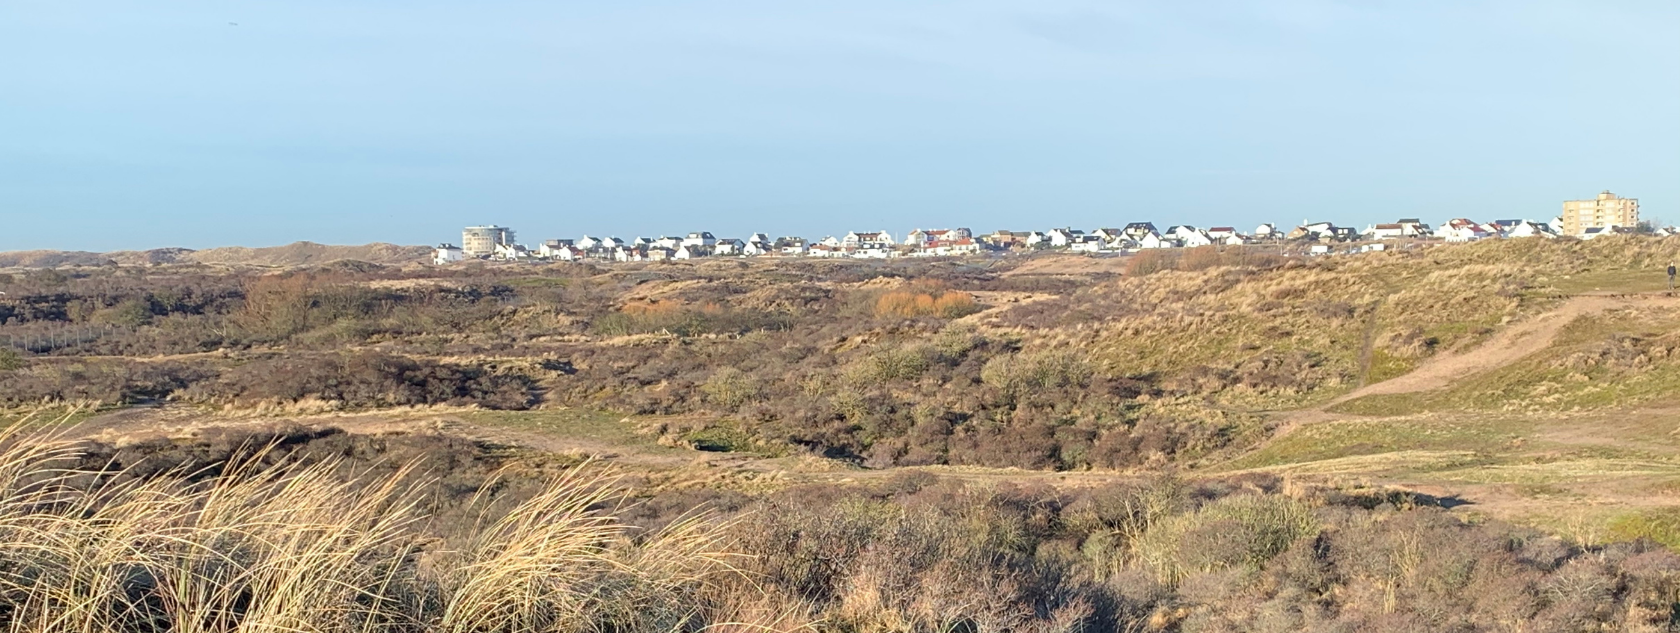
(1507, 346)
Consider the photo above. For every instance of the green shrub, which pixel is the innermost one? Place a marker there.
(888, 364)
(1661, 526)
(1239, 531)
(731, 387)
(10, 359)
(1016, 376)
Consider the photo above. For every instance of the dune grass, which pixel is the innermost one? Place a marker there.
(303, 548)
(1347, 438)
(1615, 359)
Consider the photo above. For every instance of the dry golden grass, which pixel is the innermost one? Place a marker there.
(304, 548)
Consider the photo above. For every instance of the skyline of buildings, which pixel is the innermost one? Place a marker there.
(1607, 213)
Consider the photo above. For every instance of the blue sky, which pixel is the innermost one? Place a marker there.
(127, 125)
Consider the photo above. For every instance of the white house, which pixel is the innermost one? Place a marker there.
(1413, 227)
(511, 252)
(1220, 233)
(668, 242)
(792, 245)
(549, 249)
(1265, 232)
(1108, 234)
(919, 237)
(1462, 230)
(699, 238)
(446, 254)
(824, 250)
(728, 246)
(1062, 238)
(760, 239)
(756, 248)
(856, 239)
(689, 251)
(1189, 236)
(1465, 233)
(1091, 244)
(1600, 231)
(588, 243)
(1155, 240)
(1530, 229)
(875, 251)
(830, 241)
(1136, 230)
(611, 242)
(1236, 239)
(1034, 238)
(960, 246)
(1388, 231)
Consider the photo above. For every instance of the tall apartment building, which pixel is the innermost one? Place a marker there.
(481, 241)
(1606, 210)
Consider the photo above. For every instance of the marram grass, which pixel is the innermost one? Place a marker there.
(305, 548)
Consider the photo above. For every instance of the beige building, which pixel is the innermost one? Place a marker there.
(1606, 210)
(481, 241)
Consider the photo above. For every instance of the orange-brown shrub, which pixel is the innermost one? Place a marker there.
(947, 304)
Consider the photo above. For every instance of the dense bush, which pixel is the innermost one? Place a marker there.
(918, 553)
(114, 381)
(364, 379)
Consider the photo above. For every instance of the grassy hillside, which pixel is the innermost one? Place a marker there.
(885, 363)
(1471, 437)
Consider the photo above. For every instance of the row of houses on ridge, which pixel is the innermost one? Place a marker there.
(1312, 237)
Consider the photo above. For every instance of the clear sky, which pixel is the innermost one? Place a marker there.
(127, 125)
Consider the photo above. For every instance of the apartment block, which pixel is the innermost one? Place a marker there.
(481, 241)
(1606, 210)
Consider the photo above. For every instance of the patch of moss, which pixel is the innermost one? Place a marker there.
(1661, 525)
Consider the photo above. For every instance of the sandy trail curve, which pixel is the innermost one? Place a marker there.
(1508, 346)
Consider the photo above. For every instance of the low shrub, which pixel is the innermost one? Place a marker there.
(365, 379)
